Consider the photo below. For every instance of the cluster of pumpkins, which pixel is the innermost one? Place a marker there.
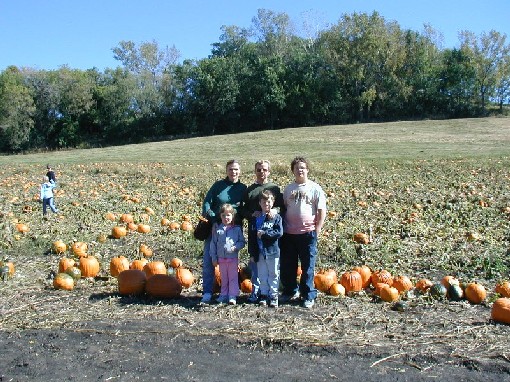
(134, 278)
(390, 289)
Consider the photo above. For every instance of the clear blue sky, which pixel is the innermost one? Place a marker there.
(46, 34)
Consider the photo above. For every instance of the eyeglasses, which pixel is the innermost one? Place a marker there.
(262, 170)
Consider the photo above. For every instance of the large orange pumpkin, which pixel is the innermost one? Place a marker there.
(500, 311)
(186, 226)
(163, 286)
(89, 266)
(145, 250)
(351, 281)
(361, 238)
(176, 262)
(117, 265)
(154, 268)
(131, 282)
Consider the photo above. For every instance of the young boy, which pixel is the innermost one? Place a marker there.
(266, 229)
(46, 195)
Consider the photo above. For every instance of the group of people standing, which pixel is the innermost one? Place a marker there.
(283, 228)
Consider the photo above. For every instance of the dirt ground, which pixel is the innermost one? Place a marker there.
(182, 340)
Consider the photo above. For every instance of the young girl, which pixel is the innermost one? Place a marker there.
(227, 239)
(266, 230)
(47, 195)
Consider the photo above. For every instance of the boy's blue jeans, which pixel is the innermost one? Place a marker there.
(48, 202)
(302, 248)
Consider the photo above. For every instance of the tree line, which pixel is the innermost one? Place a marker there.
(267, 76)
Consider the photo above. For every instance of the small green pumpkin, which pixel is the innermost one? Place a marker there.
(438, 291)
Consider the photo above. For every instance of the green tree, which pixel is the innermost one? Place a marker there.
(487, 54)
(16, 111)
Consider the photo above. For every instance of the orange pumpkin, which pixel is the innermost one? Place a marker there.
(475, 293)
(126, 218)
(59, 246)
(131, 282)
(381, 276)
(423, 285)
(324, 279)
(361, 238)
(337, 290)
(500, 311)
(118, 232)
(246, 286)
(154, 268)
(149, 210)
(163, 286)
(132, 226)
(110, 216)
(378, 287)
(21, 227)
(117, 265)
(144, 228)
(186, 226)
(65, 263)
(184, 276)
(89, 266)
(176, 262)
(351, 281)
(503, 288)
(365, 273)
(389, 294)
(145, 250)
(79, 248)
(63, 281)
(174, 226)
(402, 284)
(138, 264)
(165, 222)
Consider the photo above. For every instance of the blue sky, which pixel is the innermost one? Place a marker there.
(46, 34)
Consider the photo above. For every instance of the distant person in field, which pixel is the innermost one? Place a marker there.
(265, 231)
(46, 195)
(252, 210)
(228, 190)
(51, 174)
(226, 241)
(305, 212)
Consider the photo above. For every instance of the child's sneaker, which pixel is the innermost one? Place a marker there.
(263, 301)
(206, 297)
(273, 303)
(308, 304)
(222, 299)
(232, 301)
(284, 298)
